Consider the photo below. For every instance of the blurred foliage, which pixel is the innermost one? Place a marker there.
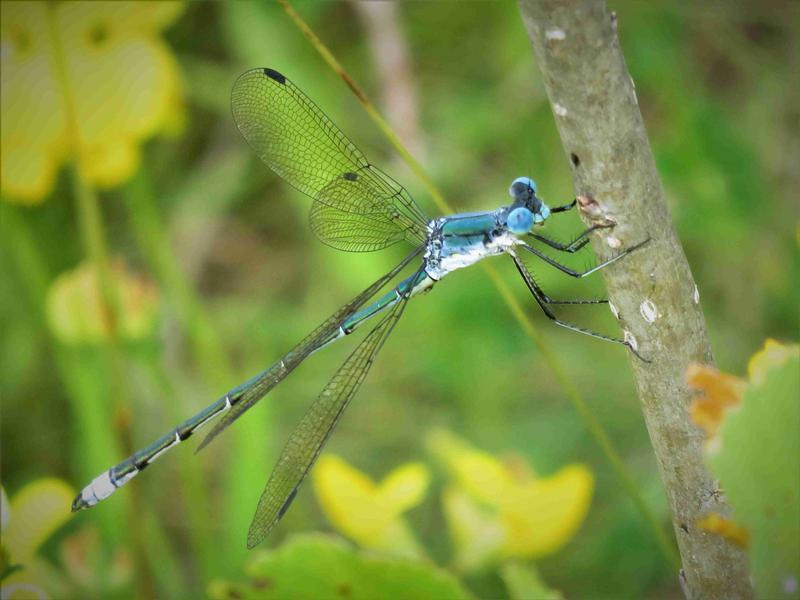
(240, 277)
(523, 583)
(315, 566)
(753, 450)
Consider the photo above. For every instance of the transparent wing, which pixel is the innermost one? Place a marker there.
(298, 141)
(364, 231)
(250, 392)
(306, 441)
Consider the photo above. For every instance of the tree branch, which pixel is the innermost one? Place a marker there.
(598, 118)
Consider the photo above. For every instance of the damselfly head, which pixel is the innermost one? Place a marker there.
(523, 191)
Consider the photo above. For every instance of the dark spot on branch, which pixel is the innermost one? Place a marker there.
(684, 528)
(576, 162)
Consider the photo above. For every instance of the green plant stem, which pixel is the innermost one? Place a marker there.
(592, 424)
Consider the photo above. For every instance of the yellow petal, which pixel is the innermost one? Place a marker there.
(34, 123)
(109, 164)
(123, 81)
(37, 510)
(156, 15)
(347, 496)
(174, 122)
(479, 473)
(543, 515)
(477, 533)
(720, 392)
(772, 355)
(28, 173)
(727, 528)
(121, 91)
(122, 19)
(76, 314)
(352, 504)
(404, 488)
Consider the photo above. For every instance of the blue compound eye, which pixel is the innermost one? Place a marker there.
(544, 212)
(527, 182)
(519, 221)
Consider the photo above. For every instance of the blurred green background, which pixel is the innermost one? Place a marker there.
(237, 278)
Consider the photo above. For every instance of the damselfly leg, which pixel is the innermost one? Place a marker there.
(542, 300)
(579, 274)
(576, 244)
(565, 207)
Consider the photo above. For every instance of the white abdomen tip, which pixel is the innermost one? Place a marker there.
(100, 488)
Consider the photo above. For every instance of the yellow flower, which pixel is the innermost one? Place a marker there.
(370, 513)
(91, 79)
(498, 511)
(75, 309)
(35, 512)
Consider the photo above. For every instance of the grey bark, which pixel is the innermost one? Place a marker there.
(597, 113)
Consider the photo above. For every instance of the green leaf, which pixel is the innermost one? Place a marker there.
(757, 465)
(523, 583)
(316, 566)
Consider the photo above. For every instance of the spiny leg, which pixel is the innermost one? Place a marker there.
(547, 300)
(565, 207)
(542, 300)
(579, 274)
(573, 246)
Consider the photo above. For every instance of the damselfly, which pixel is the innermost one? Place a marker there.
(358, 208)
